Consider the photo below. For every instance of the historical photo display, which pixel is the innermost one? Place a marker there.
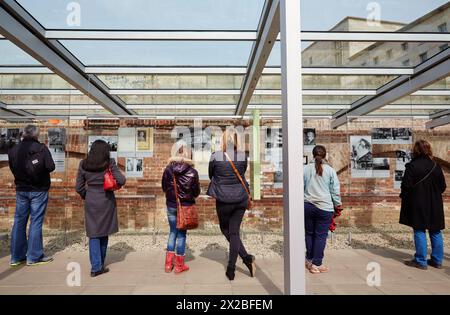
(57, 147)
(274, 154)
(391, 136)
(380, 168)
(127, 142)
(402, 158)
(9, 137)
(144, 142)
(361, 156)
(112, 141)
(134, 167)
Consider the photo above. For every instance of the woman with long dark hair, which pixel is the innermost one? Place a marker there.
(422, 208)
(322, 197)
(100, 205)
(227, 173)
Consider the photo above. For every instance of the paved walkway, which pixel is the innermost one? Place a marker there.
(142, 273)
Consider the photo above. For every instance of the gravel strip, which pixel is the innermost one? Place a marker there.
(261, 245)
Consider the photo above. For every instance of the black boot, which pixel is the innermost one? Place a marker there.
(249, 261)
(230, 273)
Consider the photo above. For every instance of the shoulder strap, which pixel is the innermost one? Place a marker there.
(426, 176)
(237, 173)
(176, 190)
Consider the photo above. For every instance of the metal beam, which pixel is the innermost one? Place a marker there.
(242, 35)
(268, 30)
(441, 121)
(293, 199)
(441, 113)
(436, 68)
(21, 29)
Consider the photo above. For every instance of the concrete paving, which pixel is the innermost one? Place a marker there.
(142, 273)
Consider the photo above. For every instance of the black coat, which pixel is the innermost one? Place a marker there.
(225, 186)
(99, 205)
(422, 204)
(188, 185)
(41, 158)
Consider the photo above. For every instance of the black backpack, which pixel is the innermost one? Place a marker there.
(35, 162)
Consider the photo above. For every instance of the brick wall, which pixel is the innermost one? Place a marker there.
(366, 201)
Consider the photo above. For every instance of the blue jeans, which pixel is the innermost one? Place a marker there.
(437, 247)
(317, 223)
(176, 237)
(28, 205)
(97, 252)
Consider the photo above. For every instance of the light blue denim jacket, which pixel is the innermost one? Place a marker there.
(322, 191)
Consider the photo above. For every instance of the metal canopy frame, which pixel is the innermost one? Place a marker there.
(268, 30)
(434, 69)
(21, 29)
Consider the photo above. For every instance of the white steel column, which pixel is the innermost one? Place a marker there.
(294, 228)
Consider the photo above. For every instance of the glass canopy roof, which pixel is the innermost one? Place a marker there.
(177, 57)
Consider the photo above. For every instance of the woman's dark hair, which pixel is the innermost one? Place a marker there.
(98, 157)
(319, 154)
(422, 148)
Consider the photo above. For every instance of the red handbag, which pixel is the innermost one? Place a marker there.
(187, 216)
(110, 183)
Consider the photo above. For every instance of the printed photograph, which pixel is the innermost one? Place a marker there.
(309, 136)
(361, 152)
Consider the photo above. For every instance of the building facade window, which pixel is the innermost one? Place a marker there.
(442, 28)
(375, 60)
(310, 60)
(405, 46)
(405, 62)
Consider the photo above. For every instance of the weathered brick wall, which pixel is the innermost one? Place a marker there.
(367, 201)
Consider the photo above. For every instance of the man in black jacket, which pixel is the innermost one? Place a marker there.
(31, 163)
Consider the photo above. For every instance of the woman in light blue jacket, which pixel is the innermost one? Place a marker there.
(322, 196)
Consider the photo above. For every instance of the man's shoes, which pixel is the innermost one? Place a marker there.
(43, 261)
(434, 264)
(17, 263)
(100, 272)
(415, 264)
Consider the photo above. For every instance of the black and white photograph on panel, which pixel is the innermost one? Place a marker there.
(309, 139)
(402, 136)
(9, 137)
(380, 168)
(382, 135)
(134, 167)
(112, 141)
(361, 156)
(403, 157)
(57, 147)
(274, 154)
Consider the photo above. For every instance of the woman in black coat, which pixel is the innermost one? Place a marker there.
(231, 198)
(100, 205)
(422, 207)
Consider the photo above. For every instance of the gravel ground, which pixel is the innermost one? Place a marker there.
(267, 245)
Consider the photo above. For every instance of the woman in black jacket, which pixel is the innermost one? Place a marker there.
(181, 168)
(100, 205)
(231, 197)
(422, 207)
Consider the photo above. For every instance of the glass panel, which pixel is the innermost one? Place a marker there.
(362, 54)
(379, 16)
(147, 14)
(45, 99)
(160, 53)
(11, 55)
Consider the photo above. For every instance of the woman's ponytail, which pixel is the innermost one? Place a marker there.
(319, 153)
